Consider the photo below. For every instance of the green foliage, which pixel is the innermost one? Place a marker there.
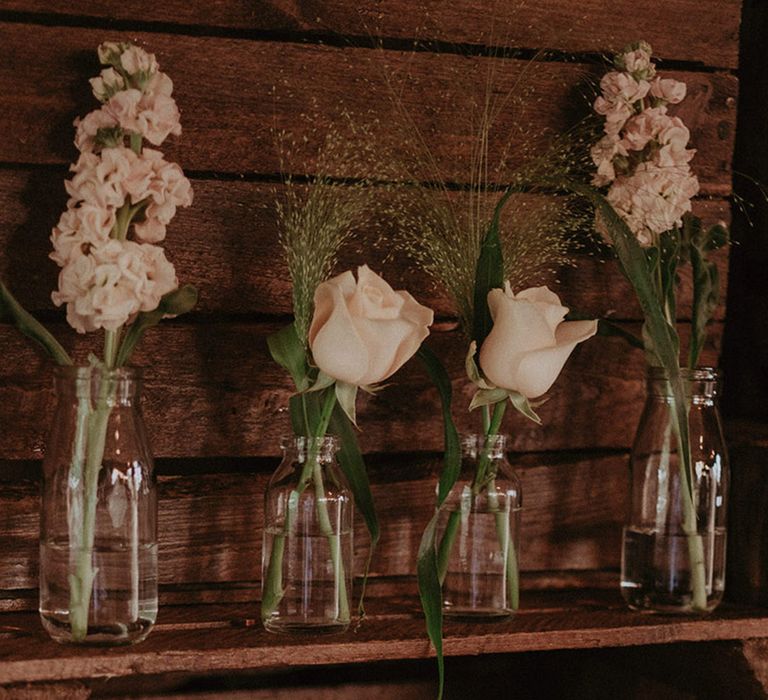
(289, 352)
(31, 327)
(706, 279)
(488, 275)
(175, 303)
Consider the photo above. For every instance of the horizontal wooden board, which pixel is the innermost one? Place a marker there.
(226, 245)
(210, 527)
(225, 638)
(687, 30)
(249, 87)
(212, 390)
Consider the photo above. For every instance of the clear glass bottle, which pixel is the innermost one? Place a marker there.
(673, 557)
(478, 534)
(307, 554)
(98, 516)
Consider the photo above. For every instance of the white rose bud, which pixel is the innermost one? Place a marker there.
(363, 331)
(529, 342)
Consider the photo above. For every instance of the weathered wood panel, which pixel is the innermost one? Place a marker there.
(679, 29)
(228, 398)
(210, 527)
(221, 638)
(226, 245)
(228, 106)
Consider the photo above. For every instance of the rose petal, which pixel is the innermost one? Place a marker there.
(538, 369)
(337, 347)
(325, 297)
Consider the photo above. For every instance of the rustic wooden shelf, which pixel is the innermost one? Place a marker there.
(225, 637)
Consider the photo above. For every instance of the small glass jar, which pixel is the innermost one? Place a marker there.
(98, 515)
(673, 557)
(478, 534)
(307, 554)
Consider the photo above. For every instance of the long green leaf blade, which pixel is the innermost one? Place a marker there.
(353, 466)
(489, 275)
(31, 327)
(665, 339)
(431, 595)
(452, 453)
(289, 352)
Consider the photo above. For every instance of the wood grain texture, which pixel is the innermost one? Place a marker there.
(680, 29)
(221, 638)
(245, 88)
(226, 245)
(210, 527)
(228, 398)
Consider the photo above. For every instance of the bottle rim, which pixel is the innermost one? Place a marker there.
(704, 373)
(88, 372)
(302, 442)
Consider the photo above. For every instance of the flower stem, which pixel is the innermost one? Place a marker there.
(690, 528)
(311, 471)
(81, 581)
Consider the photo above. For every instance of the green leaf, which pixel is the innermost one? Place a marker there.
(706, 295)
(666, 344)
(430, 591)
(31, 327)
(305, 410)
(608, 328)
(452, 451)
(346, 394)
(489, 275)
(175, 303)
(323, 381)
(289, 352)
(488, 397)
(431, 595)
(669, 257)
(522, 405)
(353, 466)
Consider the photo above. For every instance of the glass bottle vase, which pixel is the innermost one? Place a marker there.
(673, 555)
(478, 534)
(98, 515)
(307, 553)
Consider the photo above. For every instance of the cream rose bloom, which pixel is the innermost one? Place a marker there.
(363, 331)
(529, 342)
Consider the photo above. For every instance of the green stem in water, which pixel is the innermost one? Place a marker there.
(445, 546)
(81, 581)
(690, 527)
(311, 471)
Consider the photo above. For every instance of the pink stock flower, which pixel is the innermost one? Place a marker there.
(622, 86)
(110, 285)
(653, 199)
(669, 90)
(136, 60)
(79, 229)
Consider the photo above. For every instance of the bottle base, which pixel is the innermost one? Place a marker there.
(117, 634)
(477, 614)
(299, 627)
(661, 604)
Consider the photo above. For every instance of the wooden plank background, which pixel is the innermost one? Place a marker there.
(214, 401)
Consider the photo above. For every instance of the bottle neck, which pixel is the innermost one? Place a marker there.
(700, 384)
(119, 387)
(475, 445)
(300, 449)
